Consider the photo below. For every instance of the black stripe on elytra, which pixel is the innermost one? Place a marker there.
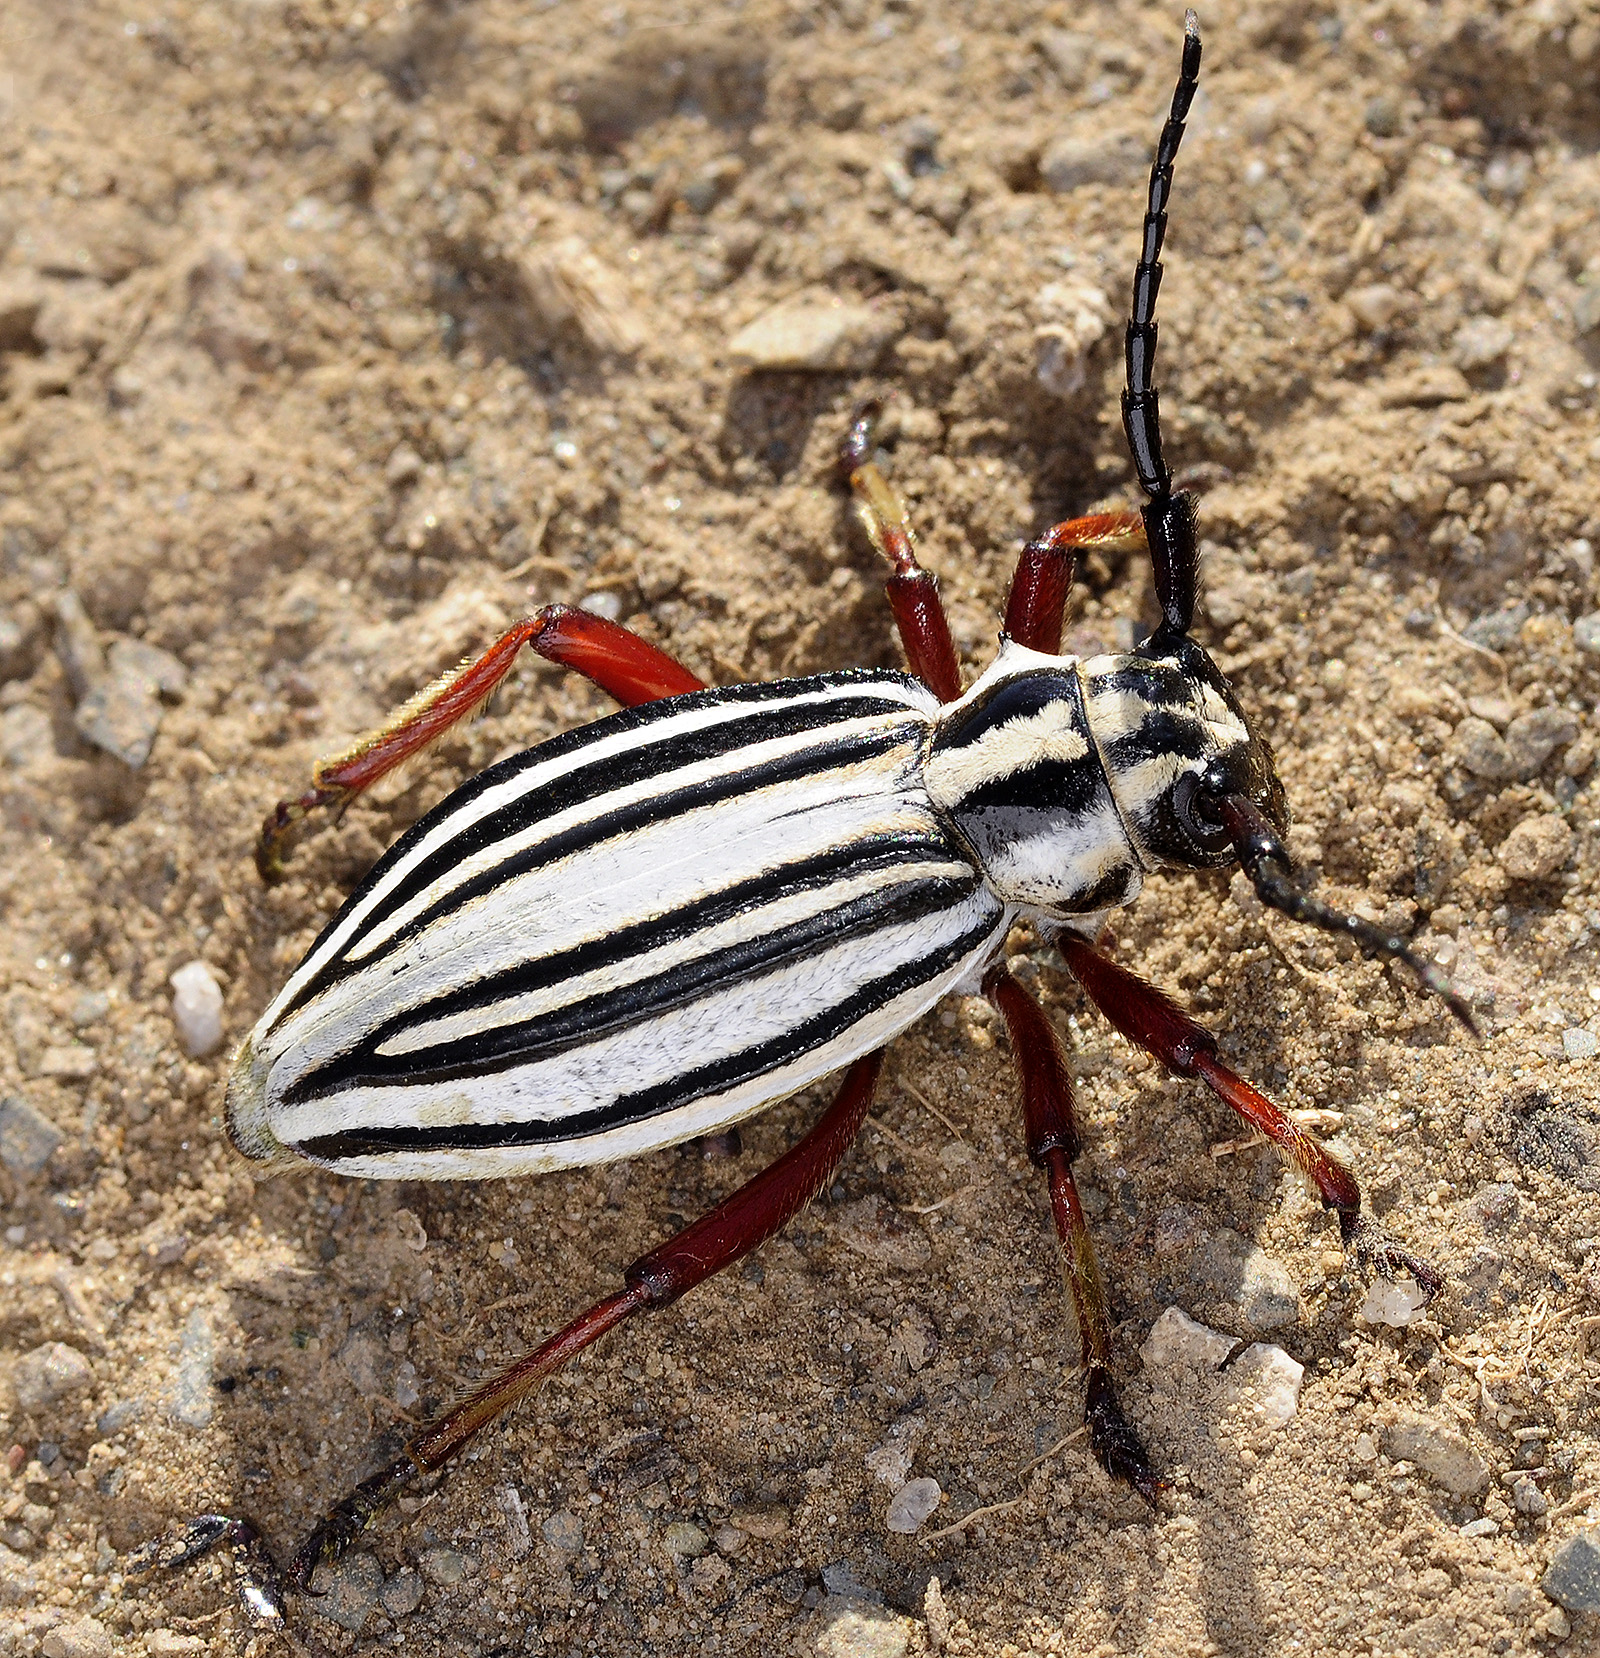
(677, 1092)
(865, 855)
(1157, 684)
(586, 784)
(577, 1024)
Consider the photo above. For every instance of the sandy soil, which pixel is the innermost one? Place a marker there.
(335, 336)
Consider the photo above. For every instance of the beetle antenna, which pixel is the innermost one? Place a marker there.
(1169, 519)
(1263, 858)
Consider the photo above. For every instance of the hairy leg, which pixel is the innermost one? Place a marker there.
(1152, 1019)
(619, 662)
(1051, 1123)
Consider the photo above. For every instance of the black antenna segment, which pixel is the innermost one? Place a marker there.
(1169, 519)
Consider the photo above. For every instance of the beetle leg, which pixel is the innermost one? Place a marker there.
(1051, 1122)
(1152, 1019)
(740, 1223)
(1046, 567)
(619, 662)
(913, 591)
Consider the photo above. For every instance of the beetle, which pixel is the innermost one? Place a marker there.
(652, 927)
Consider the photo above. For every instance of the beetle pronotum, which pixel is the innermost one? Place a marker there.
(656, 925)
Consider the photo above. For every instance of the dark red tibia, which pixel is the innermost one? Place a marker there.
(1050, 1121)
(1046, 567)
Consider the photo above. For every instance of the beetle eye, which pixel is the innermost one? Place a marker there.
(1197, 812)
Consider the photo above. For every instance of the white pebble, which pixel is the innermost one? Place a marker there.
(1578, 1043)
(911, 1505)
(197, 1008)
(1268, 1380)
(1175, 1338)
(1396, 1304)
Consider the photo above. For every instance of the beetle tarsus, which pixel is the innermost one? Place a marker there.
(259, 1580)
(1378, 1252)
(345, 1521)
(1117, 1448)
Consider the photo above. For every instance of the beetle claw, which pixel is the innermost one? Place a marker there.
(1379, 1253)
(259, 1583)
(1117, 1448)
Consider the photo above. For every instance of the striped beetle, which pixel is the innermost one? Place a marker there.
(650, 928)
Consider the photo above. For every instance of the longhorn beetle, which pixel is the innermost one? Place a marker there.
(660, 923)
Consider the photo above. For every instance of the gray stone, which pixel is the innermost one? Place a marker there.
(686, 1540)
(1499, 629)
(1112, 158)
(27, 1139)
(402, 1594)
(351, 1591)
(193, 1403)
(1481, 342)
(119, 1415)
(18, 1582)
(563, 1531)
(1528, 1498)
(1573, 1575)
(49, 1374)
(1482, 750)
(1578, 1043)
(1533, 737)
(1586, 310)
(1440, 1452)
(1586, 630)
(817, 335)
(122, 712)
(443, 1566)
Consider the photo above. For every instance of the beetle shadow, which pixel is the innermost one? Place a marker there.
(768, 418)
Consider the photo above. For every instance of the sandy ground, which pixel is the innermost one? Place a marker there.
(335, 336)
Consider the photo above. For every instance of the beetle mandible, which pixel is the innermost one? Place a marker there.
(652, 927)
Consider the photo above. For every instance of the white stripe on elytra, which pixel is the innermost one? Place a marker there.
(653, 1052)
(597, 891)
(496, 798)
(1052, 733)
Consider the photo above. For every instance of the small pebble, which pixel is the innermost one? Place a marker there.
(351, 1590)
(1375, 306)
(404, 466)
(49, 1374)
(1383, 117)
(814, 336)
(1266, 1296)
(402, 1594)
(197, 1009)
(1175, 1339)
(912, 1505)
(1498, 630)
(685, 1540)
(193, 1398)
(1071, 163)
(78, 1638)
(1537, 847)
(1527, 1498)
(1533, 737)
(1268, 1381)
(1438, 1451)
(1578, 1043)
(1396, 1303)
(1586, 632)
(1573, 1575)
(121, 713)
(27, 1139)
(604, 604)
(70, 1061)
(1481, 342)
(1482, 1527)
(852, 1630)
(117, 1416)
(563, 1531)
(443, 1566)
